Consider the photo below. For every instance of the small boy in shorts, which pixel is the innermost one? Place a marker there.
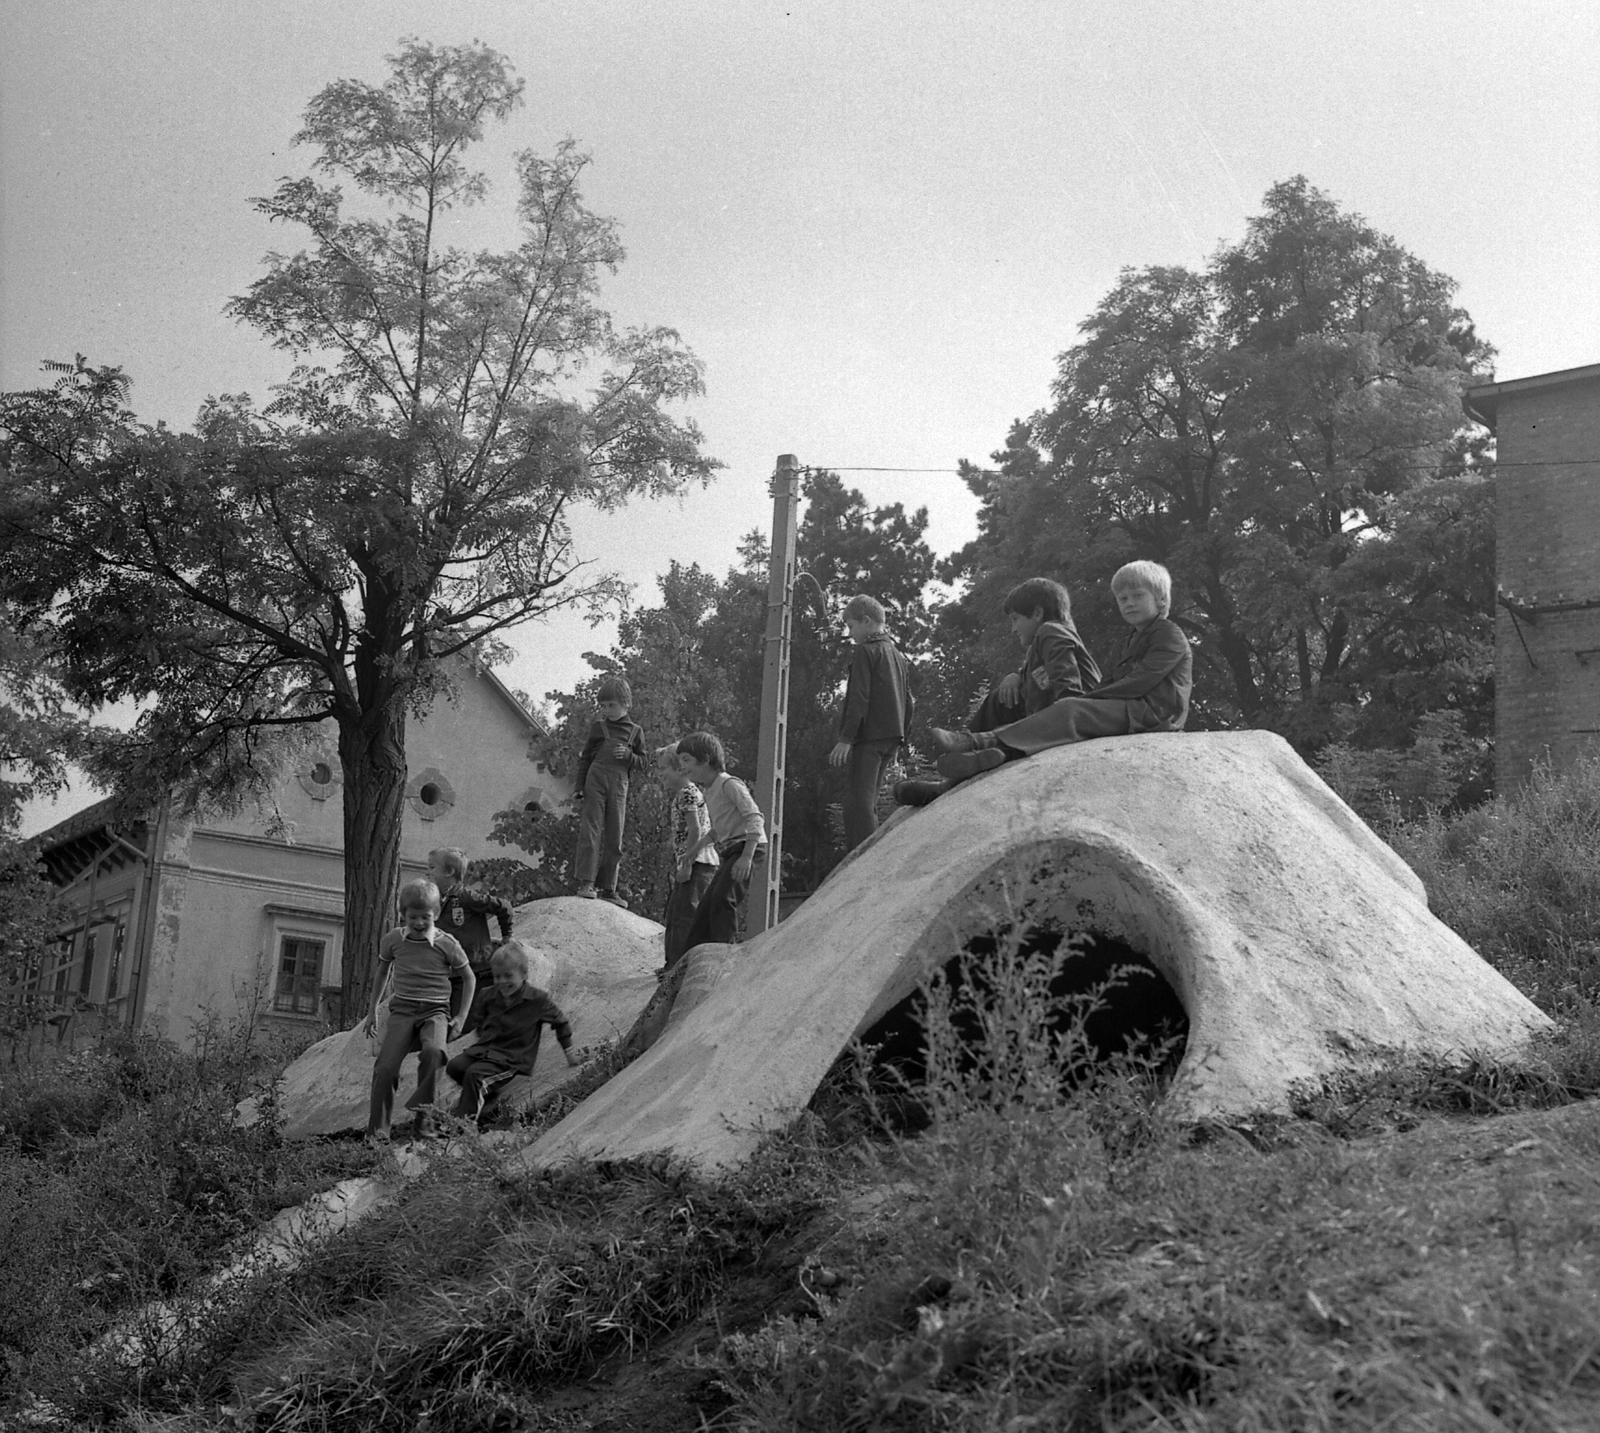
(416, 961)
(508, 1024)
(611, 755)
(1148, 691)
(876, 719)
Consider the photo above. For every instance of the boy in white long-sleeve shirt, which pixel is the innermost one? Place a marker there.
(737, 830)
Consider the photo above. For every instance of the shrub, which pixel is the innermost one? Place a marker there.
(1519, 880)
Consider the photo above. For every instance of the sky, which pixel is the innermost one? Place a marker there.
(877, 223)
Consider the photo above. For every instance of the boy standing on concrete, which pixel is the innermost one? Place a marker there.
(694, 857)
(613, 752)
(878, 707)
(464, 914)
(737, 830)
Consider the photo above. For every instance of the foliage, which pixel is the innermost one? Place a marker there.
(39, 735)
(695, 662)
(1282, 431)
(1518, 878)
(402, 500)
(124, 1178)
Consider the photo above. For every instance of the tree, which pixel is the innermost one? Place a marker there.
(39, 735)
(404, 498)
(1256, 427)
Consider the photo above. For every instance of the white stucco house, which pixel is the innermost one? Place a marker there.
(173, 918)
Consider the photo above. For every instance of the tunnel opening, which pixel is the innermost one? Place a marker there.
(1105, 1006)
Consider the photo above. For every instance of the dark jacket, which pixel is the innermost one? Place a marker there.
(1153, 675)
(465, 914)
(508, 1031)
(603, 735)
(1056, 665)
(878, 704)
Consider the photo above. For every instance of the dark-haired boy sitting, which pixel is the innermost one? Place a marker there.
(1148, 691)
(1055, 664)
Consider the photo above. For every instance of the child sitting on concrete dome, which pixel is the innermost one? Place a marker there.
(509, 1025)
(1148, 690)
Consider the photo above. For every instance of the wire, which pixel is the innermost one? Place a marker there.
(1410, 467)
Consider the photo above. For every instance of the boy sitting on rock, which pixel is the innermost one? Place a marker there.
(508, 1024)
(1148, 690)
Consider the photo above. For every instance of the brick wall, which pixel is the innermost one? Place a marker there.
(1547, 550)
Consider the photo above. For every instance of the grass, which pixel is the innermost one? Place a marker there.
(1414, 1250)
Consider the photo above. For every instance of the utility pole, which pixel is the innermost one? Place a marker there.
(761, 905)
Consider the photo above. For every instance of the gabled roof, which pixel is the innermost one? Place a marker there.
(70, 846)
(1483, 402)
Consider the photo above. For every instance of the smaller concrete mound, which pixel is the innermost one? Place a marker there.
(604, 961)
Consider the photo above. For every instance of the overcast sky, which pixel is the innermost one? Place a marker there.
(877, 223)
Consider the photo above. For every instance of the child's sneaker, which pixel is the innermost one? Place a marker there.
(586, 890)
(964, 765)
(615, 897)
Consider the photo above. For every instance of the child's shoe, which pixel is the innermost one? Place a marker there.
(919, 791)
(423, 1126)
(586, 890)
(963, 765)
(947, 742)
(615, 897)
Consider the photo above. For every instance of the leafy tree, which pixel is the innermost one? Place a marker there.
(39, 735)
(404, 499)
(696, 661)
(1259, 428)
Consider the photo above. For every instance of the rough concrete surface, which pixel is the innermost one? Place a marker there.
(1298, 943)
(604, 960)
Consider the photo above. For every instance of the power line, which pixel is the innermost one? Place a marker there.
(1410, 467)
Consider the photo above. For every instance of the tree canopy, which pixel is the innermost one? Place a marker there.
(1282, 430)
(402, 499)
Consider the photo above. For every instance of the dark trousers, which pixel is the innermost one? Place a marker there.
(716, 918)
(864, 773)
(423, 1031)
(605, 805)
(481, 1082)
(1070, 719)
(682, 903)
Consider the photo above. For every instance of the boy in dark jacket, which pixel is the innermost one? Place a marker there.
(613, 752)
(878, 707)
(1148, 690)
(508, 1027)
(464, 914)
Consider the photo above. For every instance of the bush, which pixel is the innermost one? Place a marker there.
(1519, 880)
(124, 1179)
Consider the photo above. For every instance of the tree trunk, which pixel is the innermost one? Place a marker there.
(372, 750)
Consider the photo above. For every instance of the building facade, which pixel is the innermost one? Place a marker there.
(172, 919)
(1547, 567)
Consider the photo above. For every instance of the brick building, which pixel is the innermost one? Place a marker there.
(1547, 567)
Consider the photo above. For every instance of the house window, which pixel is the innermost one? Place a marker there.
(91, 942)
(119, 938)
(299, 975)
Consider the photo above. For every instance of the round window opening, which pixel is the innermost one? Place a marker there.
(429, 794)
(322, 773)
